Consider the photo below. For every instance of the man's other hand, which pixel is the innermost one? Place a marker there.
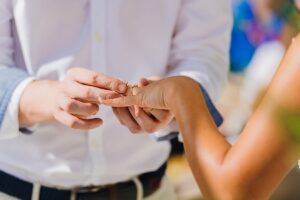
(71, 102)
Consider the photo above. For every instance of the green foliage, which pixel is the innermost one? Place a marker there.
(290, 13)
(291, 121)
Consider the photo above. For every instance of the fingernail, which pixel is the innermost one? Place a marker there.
(122, 88)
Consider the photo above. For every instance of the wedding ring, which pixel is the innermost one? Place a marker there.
(130, 90)
(133, 89)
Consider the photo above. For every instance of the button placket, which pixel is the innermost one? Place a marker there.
(98, 60)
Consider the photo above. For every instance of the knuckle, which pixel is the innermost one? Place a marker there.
(90, 126)
(85, 93)
(93, 77)
(93, 109)
(55, 114)
(105, 96)
(71, 71)
(135, 129)
(132, 130)
(123, 100)
(142, 99)
(72, 123)
(113, 85)
(108, 96)
(150, 129)
(68, 105)
(165, 117)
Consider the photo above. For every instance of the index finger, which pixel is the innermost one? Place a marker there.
(89, 77)
(124, 101)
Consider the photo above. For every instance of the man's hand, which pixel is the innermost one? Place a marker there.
(143, 120)
(71, 102)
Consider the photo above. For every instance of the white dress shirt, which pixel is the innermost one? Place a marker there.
(121, 38)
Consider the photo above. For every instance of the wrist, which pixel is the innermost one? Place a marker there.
(187, 103)
(181, 92)
(37, 102)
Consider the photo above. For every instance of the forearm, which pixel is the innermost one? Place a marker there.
(205, 147)
(225, 172)
(263, 147)
(36, 103)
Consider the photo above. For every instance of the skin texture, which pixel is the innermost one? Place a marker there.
(75, 100)
(264, 153)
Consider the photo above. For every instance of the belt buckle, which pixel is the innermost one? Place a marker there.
(82, 190)
(88, 189)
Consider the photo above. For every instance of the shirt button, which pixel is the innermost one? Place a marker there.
(98, 37)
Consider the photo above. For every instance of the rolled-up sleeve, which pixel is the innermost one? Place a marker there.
(12, 79)
(12, 84)
(200, 48)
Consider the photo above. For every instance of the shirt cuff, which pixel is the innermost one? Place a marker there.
(168, 133)
(217, 117)
(172, 130)
(10, 125)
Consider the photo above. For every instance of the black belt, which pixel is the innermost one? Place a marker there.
(150, 181)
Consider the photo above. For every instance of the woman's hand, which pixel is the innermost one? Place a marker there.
(149, 97)
(147, 120)
(163, 95)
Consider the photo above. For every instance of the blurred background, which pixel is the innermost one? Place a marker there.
(262, 31)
